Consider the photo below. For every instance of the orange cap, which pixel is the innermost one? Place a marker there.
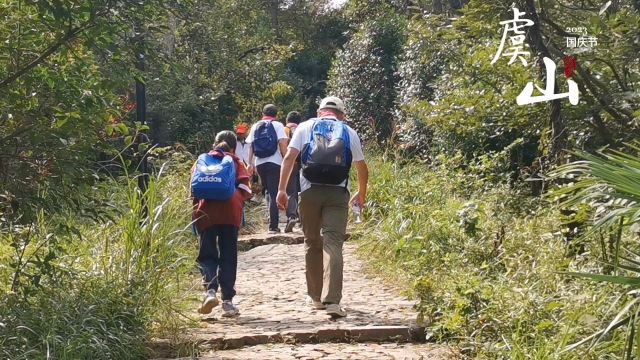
(242, 128)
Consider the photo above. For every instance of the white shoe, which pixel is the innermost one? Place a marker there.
(335, 310)
(229, 310)
(209, 302)
(315, 304)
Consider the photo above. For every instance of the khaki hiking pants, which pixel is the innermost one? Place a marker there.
(323, 214)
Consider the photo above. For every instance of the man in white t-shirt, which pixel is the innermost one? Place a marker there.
(324, 211)
(269, 167)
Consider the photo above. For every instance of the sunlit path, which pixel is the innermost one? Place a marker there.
(271, 297)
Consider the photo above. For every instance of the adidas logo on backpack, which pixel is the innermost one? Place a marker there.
(209, 179)
(214, 178)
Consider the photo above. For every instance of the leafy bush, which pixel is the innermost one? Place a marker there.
(104, 289)
(483, 260)
(609, 183)
(364, 74)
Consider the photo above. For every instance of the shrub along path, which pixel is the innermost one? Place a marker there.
(276, 323)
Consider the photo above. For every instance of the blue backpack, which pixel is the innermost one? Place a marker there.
(214, 178)
(265, 139)
(326, 159)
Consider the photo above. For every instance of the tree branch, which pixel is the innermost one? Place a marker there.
(252, 51)
(17, 132)
(556, 123)
(598, 90)
(71, 34)
(581, 8)
(623, 86)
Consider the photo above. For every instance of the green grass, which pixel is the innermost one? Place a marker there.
(484, 263)
(107, 288)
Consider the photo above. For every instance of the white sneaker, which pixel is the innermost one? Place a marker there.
(229, 310)
(335, 310)
(209, 302)
(315, 304)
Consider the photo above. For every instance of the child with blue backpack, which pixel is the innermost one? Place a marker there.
(219, 187)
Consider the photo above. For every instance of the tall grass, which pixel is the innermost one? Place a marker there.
(123, 280)
(608, 183)
(485, 263)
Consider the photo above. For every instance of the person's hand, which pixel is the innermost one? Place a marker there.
(251, 170)
(357, 199)
(282, 199)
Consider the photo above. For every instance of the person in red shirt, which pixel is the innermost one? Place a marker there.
(218, 223)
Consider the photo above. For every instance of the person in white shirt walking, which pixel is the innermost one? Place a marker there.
(268, 145)
(327, 148)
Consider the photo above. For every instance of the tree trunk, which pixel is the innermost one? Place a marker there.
(455, 5)
(159, 132)
(558, 138)
(170, 37)
(437, 7)
(275, 22)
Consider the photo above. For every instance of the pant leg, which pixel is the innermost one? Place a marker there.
(208, 258)
(263, 177)
(334, 227)
(292, 193)
(263, 172)
(310, 218)
(227, 270)
(270, 173)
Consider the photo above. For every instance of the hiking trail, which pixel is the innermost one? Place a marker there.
(276, 323)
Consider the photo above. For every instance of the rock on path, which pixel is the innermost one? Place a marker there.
(271, 295)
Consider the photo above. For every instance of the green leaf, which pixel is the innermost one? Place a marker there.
(60, 122)
(123, 129)
(631, 281)
(637, 339)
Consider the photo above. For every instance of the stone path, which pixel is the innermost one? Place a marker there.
(333, 351)
(275, 322)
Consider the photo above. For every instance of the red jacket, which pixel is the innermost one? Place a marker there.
(229, 212)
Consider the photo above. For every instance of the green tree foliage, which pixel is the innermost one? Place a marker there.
(60, 70)
(364, 73)
(227, 60)
(66, 80)
(450, 98)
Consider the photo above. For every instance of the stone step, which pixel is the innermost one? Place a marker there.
(335, 351)
(396, 334)
(202, 343)
(248, 242)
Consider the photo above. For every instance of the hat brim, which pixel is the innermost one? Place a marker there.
(332, 107)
